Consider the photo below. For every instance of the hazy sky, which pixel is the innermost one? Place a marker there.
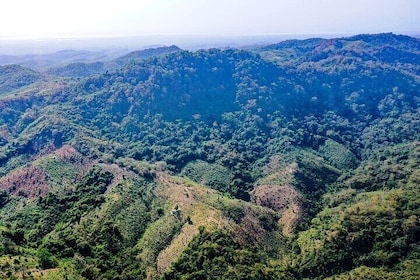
(75, 18)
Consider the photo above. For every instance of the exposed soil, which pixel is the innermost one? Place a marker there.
(284, 199)
(28, 181)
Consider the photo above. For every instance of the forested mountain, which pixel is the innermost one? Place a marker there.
(13, 77)
(289, 161)
(43, 62)
(82, 69)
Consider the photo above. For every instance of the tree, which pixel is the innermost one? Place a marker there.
(46, 259)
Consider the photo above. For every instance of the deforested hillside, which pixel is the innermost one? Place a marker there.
(289, 161)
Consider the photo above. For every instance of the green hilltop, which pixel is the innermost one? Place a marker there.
(298, 160)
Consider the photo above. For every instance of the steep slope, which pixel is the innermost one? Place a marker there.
(146, 213)
(13, 77)
(295, 160)
(341, 65)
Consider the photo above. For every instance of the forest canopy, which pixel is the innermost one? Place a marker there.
(288, 161)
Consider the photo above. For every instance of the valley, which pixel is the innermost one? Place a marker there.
(294, 160)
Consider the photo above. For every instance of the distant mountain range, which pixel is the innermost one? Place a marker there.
(297, 160)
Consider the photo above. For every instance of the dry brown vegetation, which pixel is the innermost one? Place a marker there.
(187, 197)
(286, 200)
(28, 181)
(275, 191)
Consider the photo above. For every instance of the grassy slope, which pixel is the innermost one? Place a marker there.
(370, 195)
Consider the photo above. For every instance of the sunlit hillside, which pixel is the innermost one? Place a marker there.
(298, 160)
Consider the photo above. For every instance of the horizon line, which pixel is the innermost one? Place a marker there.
(197, 35)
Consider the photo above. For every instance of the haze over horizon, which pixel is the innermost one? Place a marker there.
(192, 139)
(48, 19)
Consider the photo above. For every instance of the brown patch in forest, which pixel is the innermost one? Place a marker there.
(70, 155)
(278, 198)
(67, 153)
(28, 181)
(283, 199)
(32, 180)
(249, 231)
(188, 199)
(120, 173)
(176, 191)
(291, 218)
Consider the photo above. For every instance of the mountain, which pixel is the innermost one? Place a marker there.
(383, 47)
(43, 62)
(80, 69)
(146, 53)
(13, 77)
(288, 161)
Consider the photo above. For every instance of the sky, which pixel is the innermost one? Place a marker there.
(32, 19)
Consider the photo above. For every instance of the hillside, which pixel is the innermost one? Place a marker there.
(83, 69)
(44, 61)
(13, 77)
(289, 161)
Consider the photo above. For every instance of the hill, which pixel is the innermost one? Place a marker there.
(13, 77)
(146, 53)
(43, 62)
(82, 69)
(290, 161)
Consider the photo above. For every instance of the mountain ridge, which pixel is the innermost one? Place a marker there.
(298, 161)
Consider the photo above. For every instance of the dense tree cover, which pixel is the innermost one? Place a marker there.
(356, 234)
(329, 126)
(78, 69)
(13, 77)
(83, 69)
(216, 255)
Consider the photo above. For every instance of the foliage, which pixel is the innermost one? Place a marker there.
(327, 127)
(14, 76)
(216, 255)
(358, 234)
(46, 259)
(4, 197)
(212, 175)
